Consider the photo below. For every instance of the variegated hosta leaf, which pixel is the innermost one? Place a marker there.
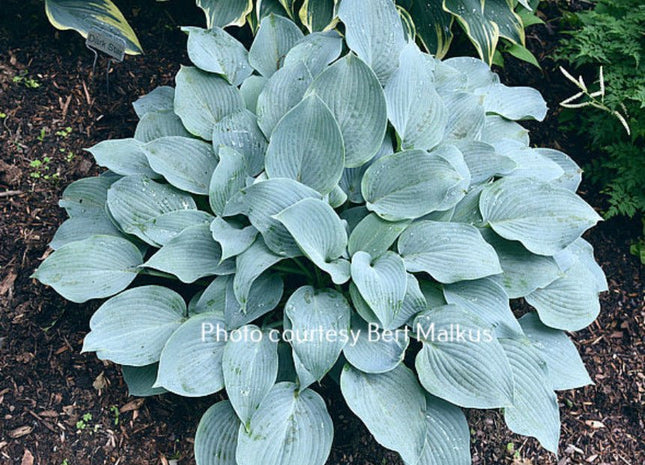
(133, 327)
(274, 39)
(216, 51)
(320, 234)
(413, 106)
(290, 427)
(382, 283)
(408, 185)
(433, 25)
(202, 99)
(191, 361)
(352, 92)
(320, 314)
(93, 268)
(449, 252)
(250, 367)
(565, 367)
(307, 146)
(483, 33)
(535, 406)
(317, 15)
(461, 360)
(374, 32)
(220, 13)
(216, 436)
(545, 219)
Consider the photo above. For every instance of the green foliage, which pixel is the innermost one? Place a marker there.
(611, 35)
(315, 221)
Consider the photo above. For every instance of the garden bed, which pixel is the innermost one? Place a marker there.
(58, 406)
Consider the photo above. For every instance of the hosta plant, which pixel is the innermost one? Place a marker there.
(346, 207)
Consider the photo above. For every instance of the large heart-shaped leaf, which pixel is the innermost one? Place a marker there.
(307, 146)
(250, 264)
(162, 123)
(162, 98)
(240, 132)
(354, 95)
(514, 103)
(374, 235)
(216, 436)
(291, 427)
(316, 50)
(232, 239)
(122, 156)
(274, 39)
(94, 268)
(227, 180)
(133, 327)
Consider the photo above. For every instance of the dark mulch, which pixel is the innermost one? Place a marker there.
(47, 385)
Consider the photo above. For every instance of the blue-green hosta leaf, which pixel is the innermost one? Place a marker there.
(449, 252)
(524, 272)
(186, 163)
(447, 439)
(337, 197)
(240, 132)
(191, 361)
(268, 198)
(83, 16)
(461, 360)
(251, 89)
(232, 239)
(162, 98)
(373, 31)
(466, 116)
(122, 156)
(250, 366)
(514, 103)
(350, 182)
(413, 106)
(467, 209)
(375, 235)
(141, 379)
(320, 234)
(221, 13)
(565, 367)
(165, 227)
(133, 327)
(227, 180)
(216, 51)
(354, 95)
(478, 73)
(87, 196)
(483, 33)
(486, 299)
(283, 91)
(136, 202)
(81, 227)
(202, 99)
(317, 15)
(156, 124)
(529, 162)
(318, 312)
(250, 264)
(535, 406)
(373, 350)
(94, 268)
(497, 128)
(219, 297)
(216, 436)
(353, 216)
(483, 162)
(190, 255)
(307, 146)
(361, 306)
(544, 218)
(570, 302)
(433, 25)
(572, 176)
(408, 185)
(274, 39)
(432, 293)
(448, 80)
(382, 283)
(291, 427)
(316, 51)
(453, 155)
(392, 405)
(582, 251)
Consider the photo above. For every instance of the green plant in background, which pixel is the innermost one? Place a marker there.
(485, 22)
(611, 36)
(305, 214)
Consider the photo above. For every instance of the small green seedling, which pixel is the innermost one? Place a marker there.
(27, 81)
(64, 133)
(115, 411)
